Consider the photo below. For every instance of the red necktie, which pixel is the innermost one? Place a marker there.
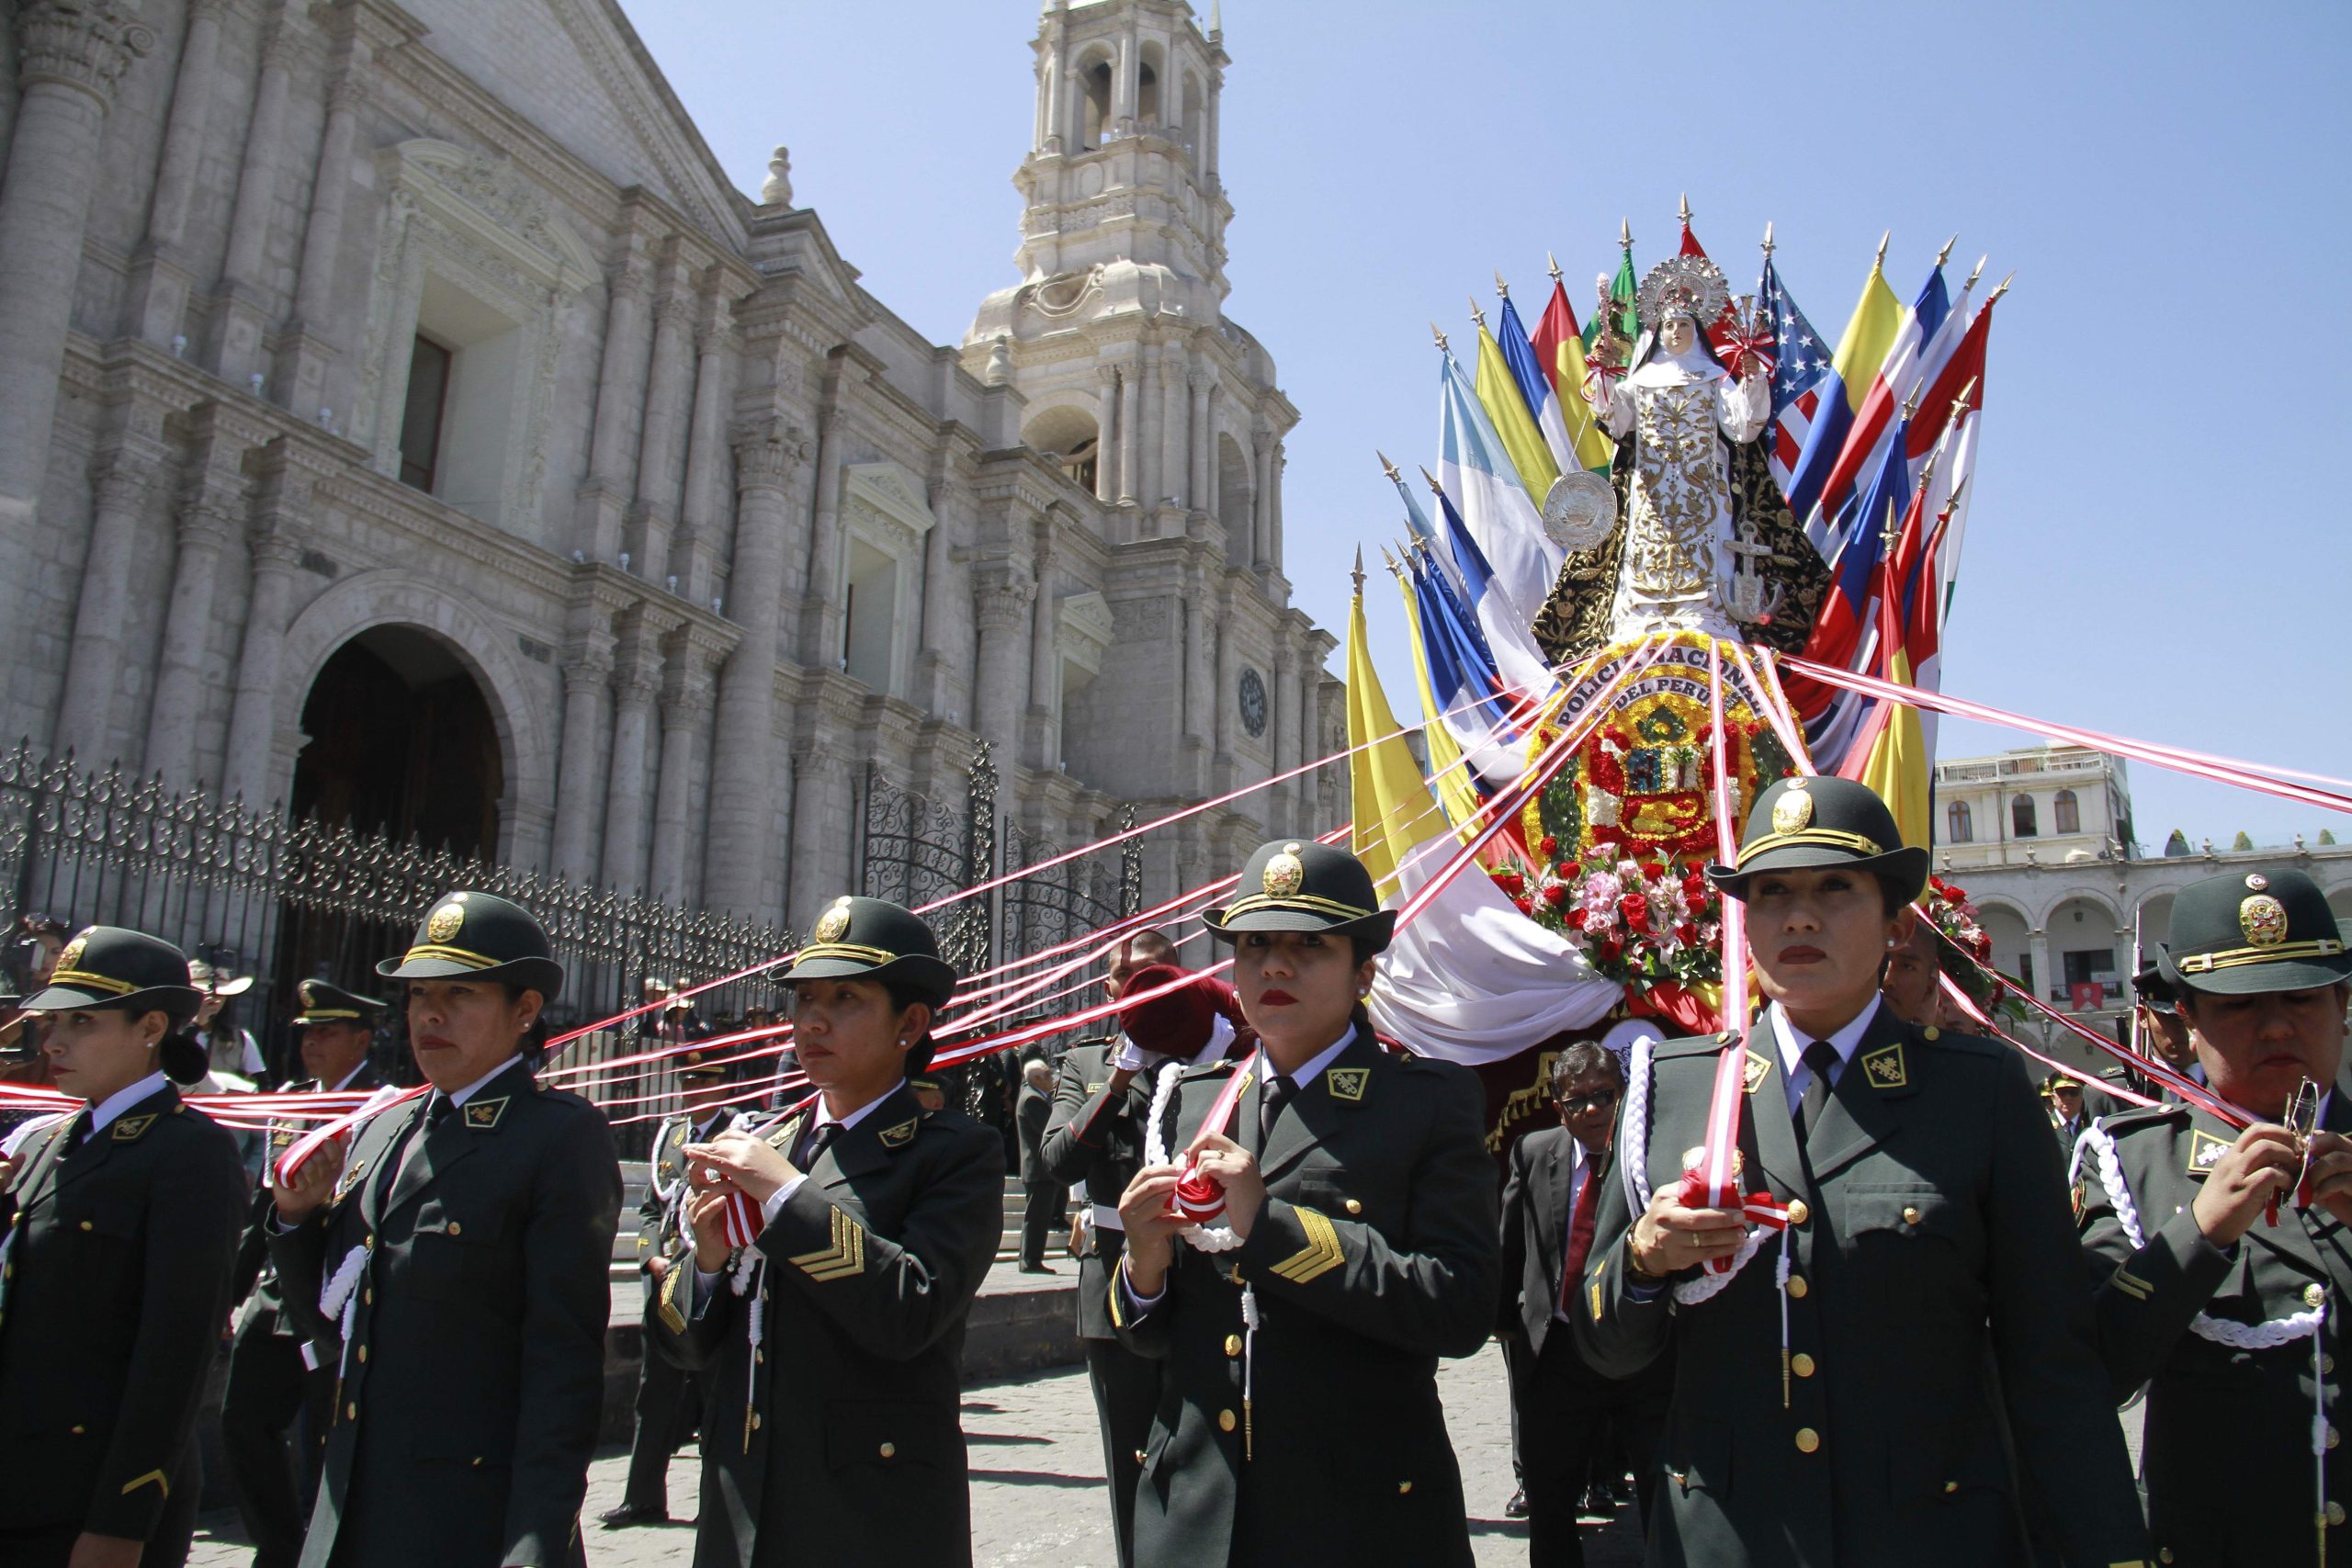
(1580, 1233)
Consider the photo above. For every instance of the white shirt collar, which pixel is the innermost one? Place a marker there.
(1313, 1067)
(1794, 1044)
(123, 1099)
(357, 1068)
(860, 1114)
(466, 1093)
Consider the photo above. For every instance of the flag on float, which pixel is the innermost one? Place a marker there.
(1800, 372)
(1469, 980)
(1464, 697)
(1930, 330)
(1620, 292)
(1476, 472)
(1457, 783)
(1509, 637)
(1500, 393)
(1417, 517)
(1960, 382)
(1861, 351)
(1893, 752)
(1845, 630)
(1559, 350)
(1535, 387)
(1729, 314)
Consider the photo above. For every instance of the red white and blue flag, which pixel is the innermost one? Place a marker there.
(1799, 373)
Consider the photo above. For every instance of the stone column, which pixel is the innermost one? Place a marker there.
(820, 814)
(652, 518)
(1310, 684)
(1199, 668)
(1130, 384)
(1174, 428)
(696, 553)
(1197, 495)
(1272, 558)
(579, 801)
(685, 720)
(739, 846)
(944, 676)
(1123, 91)
(1106, 437)
(281, 514)
(1208, 132)
(1283, 733)
(238, 322)
(637, 681)
(156, 300)
(1151, 484)
(70, 55)
(821, 615)
(612, 453)
(1261, 497)
(93, 658)
(1045, 660)
(1214, 487)
(308, 347)
(2044, 981)
(1001, 600)
(1227, 695)
(212, 509)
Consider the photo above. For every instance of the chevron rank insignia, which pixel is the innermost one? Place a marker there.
(900, 1136)
(845, 1257)
(1346, 1083)
(1758, 1069)
(1884, 1067)
(484, 1113)
(131, 1129)
(2205, 1152)
(667, 1304)
(1318, 1256)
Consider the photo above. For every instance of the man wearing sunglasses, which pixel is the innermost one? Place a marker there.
(1566, 1409)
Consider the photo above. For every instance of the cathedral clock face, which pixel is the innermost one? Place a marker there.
(1253, 702)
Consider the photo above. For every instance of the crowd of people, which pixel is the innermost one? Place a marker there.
(1899, 1334)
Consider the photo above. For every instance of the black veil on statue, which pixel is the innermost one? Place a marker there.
(1574, 624)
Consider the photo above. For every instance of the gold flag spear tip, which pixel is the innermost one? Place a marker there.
(1976, 273)
(1477, 314)
(1358, 574)
(1945, 254)
(1552, 265)
(2002, 289)
(1439, 336)
(1959, 404)
(1385, 466)
(1911, 404)
(1768, 238)
(1435, 488)
(1953, 499)
(1501, 288)
(1685, 214)
(1927, 469)
(1625, 232)
(1882, 239)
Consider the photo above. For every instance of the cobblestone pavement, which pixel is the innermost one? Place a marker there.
(1037, 1495)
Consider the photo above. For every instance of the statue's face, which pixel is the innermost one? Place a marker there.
(1675, 335)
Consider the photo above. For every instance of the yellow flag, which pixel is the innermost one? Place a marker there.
(1500, 395)
(1898, 766)
(1393, 810)
(1593, 449)
(1870, 333)
(1447, 774)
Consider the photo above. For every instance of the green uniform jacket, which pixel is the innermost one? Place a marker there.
(1376, 1253)
(1933, 1299)
(118, 1282)
(2227, 1454)
(855, 1453)
(473, 1379)
(1094, 1143)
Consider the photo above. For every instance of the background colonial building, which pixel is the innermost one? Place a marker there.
(409, 424)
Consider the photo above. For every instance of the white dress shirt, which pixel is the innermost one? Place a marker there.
(1794, 1041)
(120, 1100)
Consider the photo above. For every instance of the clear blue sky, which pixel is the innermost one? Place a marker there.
(2157, 546)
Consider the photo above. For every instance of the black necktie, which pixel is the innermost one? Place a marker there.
(1820, 1058)
(77, 1130)
(1270, 1100)
(815, 1142)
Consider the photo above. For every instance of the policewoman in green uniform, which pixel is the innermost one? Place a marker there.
(1854, 1415)
(463, 1249)
(281, 1357)
(1299, 1327)
(828, 1316)
(2232, 1317)
(121, 1224)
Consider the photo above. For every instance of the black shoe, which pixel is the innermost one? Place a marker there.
(1517, 1507)
(1035, 1269)
(629, 1514)
(1598, 1507)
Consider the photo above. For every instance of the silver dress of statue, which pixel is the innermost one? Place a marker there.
(1681, 567)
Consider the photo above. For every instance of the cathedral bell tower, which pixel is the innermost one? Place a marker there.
(1115, 334)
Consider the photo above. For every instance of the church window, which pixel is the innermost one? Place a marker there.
(868, 611)
(428, 392)
(2023, 823)
(1959, 827)
(2066, 816)
(1095, 111)
(1148, 96)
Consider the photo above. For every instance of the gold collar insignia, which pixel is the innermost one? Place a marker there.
(1885, 1068)
(2205, 1152)
(1758, 1069)
(131, 1129)
(484, 1113)
(1346, 1083)
(900, 1136)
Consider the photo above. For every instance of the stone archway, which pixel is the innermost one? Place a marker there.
(402, 742)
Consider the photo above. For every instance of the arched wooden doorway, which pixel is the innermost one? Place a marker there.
(402, 742)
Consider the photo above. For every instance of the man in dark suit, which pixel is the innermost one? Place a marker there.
(2231, 1314)
(464, 1247)
(1551, 1204)
(1045, 1199)
(1933, 1317)
(669, 1398)
(281, 1361)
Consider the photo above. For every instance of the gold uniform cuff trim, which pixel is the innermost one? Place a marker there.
(843, 1259)
(87, 981)
(2131, 1285)
(157, 1476)
(1318, 1256)
(1307, 902)
(876, 956)
(466, 956)
(671, 1318)
(2237, 957)
(1823, 838)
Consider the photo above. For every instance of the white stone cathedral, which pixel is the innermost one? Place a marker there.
(409, 423)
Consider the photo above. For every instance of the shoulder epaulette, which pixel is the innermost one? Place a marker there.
(1957, 1040)
(1206, 1070)
(2140, 1118)
(1691, 1045)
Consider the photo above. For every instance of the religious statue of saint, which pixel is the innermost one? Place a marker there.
(1704, 541)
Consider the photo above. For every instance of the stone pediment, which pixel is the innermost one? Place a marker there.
(891, 491)
(1085, 626)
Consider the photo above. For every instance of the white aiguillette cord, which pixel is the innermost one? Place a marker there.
(1214, 1238)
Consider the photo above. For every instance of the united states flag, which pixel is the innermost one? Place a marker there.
(1797, 377)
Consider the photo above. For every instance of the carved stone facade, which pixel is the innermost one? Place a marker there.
(435, 328)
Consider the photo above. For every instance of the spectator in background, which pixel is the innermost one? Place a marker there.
(1047, 1198)
(1909, 983)
(235, 1060)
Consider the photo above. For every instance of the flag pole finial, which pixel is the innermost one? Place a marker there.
(2001, 290)
(1390, 561)
(1477, 314)
(1685, 213)
(1435, 333)
(1625, 233)
(1435, 488)
(1358, 572)
(1959, 404)
(1977, 272)
(1385, 466)
(1768, 239)
(1502, 289)
(1945, 254)
(1927, 469)
(1882, 239)
(1552, 265)
(1911, 405)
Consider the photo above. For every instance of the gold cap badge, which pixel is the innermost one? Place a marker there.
(2264, 920)
(444, 922)
(1792, 813)
(2256, 883)
(72, 957)
(309, 993)
(834, 922)
(1285, 874)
